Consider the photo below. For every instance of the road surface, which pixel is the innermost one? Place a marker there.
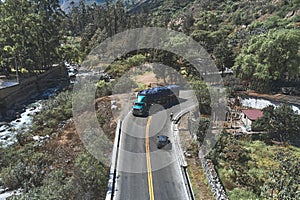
(144, 171)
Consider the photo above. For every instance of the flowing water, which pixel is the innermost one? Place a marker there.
(9, 130)
(260, 103)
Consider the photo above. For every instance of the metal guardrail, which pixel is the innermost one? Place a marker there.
(181, 158)
(113, 168)
(110, 194)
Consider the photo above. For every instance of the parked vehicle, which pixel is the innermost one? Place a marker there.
(165, 96)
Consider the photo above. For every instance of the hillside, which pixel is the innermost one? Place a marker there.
(226, 29)
(258, 39)
(66, 5)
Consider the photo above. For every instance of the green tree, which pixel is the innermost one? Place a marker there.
(70, 50)
(224, 56)
(30, 33)
(15, 25)
(202, 128)
(202, 93)
(284, 180)
(236, 158)
(48, 34)
(281, 123)
(272, 56)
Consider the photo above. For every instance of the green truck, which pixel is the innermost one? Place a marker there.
(163, 95)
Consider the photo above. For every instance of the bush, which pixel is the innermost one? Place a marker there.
(14, 176)
(55, 186)
(26, 174)
(136, 60)
(90, 178)
(103, 89)
(53, 112)
(241, 194)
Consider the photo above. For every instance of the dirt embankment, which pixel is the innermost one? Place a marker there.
(66, 146)
(12, 97)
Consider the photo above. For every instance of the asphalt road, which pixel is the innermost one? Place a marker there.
(144, 171)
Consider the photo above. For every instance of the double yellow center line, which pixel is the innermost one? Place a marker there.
(150, 183)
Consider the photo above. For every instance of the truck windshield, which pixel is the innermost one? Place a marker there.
(139, 104)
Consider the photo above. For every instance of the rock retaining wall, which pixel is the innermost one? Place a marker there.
(213, 178)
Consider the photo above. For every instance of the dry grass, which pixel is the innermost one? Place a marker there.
(196, 172)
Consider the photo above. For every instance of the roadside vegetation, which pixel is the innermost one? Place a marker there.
(251, 169)
(57, 166)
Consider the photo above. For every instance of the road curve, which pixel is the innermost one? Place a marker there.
(144, 171)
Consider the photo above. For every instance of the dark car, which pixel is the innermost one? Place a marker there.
(162, 140)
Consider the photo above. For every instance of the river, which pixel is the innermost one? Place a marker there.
(260, 103)
(9, 130)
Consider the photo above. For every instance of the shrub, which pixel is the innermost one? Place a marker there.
(136, 60)
(241, 194)
(103, 89)
(55, 186)
(90, 178)
(14, 176)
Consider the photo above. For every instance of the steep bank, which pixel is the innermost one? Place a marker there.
(50, 160)
(12, 98)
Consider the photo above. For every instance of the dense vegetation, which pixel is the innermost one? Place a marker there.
(256, 38)
(32, 38)
(259, 40)
(30, 34)
(250, 169)
(57, 166)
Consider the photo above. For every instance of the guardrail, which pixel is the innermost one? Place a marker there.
(179, 153)
(113, 167)
(110, 194)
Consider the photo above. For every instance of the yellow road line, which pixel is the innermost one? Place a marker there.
(150, 183)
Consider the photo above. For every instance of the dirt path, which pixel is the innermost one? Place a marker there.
(148, 79)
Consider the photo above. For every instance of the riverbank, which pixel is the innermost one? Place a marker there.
(13, 96)
(21, 116)
(50, 160)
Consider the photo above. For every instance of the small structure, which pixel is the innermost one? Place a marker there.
(250, 115)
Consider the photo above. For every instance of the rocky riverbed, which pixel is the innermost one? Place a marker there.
(21, 117)
(260, 103)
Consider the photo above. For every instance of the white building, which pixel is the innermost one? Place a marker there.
(250, 115)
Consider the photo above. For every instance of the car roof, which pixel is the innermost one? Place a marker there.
(162, 137)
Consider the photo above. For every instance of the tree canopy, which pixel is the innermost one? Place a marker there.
(271, 56)
(281, 123)
(30, 33)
